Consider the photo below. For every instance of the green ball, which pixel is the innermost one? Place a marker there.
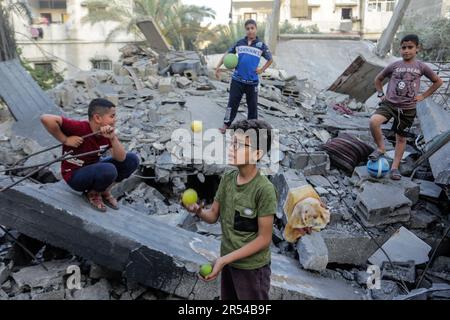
(189, 197)
(230, 61)
(206, 269)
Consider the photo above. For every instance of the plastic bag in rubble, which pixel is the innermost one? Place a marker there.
(305, 213)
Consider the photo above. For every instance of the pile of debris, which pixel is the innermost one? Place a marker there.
(158, 93)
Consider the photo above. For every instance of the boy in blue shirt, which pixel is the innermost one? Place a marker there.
(245, 77)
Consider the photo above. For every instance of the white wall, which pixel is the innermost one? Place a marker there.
(70, 45)
(327, 16)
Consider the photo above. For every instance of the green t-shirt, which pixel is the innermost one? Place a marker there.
(240, 207)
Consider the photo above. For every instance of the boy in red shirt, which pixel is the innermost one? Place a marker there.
(90, 174)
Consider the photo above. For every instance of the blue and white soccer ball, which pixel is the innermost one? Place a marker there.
(378, 168)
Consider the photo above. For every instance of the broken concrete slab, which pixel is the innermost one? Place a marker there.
(27, 107)
(153, 35)
(424, 293)
(312, 163)
(150, 253)
(428, 189)
(99, 291)
(411, 188)
(380, 204)
(388, 291)
(99, 272)
(54, 295)
(4, 273)
(38, 277)
(421, 219)
(183, 82)
(312, 251)
(348, 247)
(401, 247)
(434, 120)
(357, 79)
(319, 181)
(165, 85)
(399, 271)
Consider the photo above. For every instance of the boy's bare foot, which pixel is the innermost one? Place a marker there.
(377, 154)
(95, 200)
(110, 201)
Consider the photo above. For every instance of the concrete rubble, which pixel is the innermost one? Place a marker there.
(152, 247)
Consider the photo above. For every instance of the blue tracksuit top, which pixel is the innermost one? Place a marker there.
(249, 57)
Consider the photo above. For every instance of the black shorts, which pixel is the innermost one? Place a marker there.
(240, 284)
(403, 118)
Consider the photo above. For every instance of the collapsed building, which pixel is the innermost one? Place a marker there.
(152, 248)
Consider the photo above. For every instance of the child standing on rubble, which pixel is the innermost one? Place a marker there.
(245, 202)
(245, 77)
(400, 100)
(90, 174)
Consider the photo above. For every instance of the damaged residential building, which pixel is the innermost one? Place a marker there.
(152, 248)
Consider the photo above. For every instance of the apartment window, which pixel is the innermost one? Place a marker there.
(309, 17)
(102, 64)
(45, 67)
(346, 14)
(390, 5)
(250, 15)
(381, 5)
(47, 16)
(53, 4)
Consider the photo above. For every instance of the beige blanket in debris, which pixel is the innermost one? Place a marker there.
(308, 215)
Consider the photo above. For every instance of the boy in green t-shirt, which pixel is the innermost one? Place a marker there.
(246, 202)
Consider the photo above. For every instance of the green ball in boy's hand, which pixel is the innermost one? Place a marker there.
(189, 197)
(206, 269)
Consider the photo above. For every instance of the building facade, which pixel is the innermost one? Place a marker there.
(58, 39)
(365, 17)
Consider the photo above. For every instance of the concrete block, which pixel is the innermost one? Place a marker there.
(313, 252)
(401, 247)
(348, 247)
(381, 204)
(411, 188)
(428, 189)
(284, 182)
(314, 163)
(165, 85)
(183, 82)
(38, 277)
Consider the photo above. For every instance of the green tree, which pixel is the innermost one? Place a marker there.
(179, 23)
(221, 37)
(288, 28)
(434, 37)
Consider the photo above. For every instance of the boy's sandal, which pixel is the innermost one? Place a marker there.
(110, 201)
(377, 154)
(395, 174)
(95, 200)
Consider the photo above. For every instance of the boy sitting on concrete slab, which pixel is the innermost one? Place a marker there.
(90, 174)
